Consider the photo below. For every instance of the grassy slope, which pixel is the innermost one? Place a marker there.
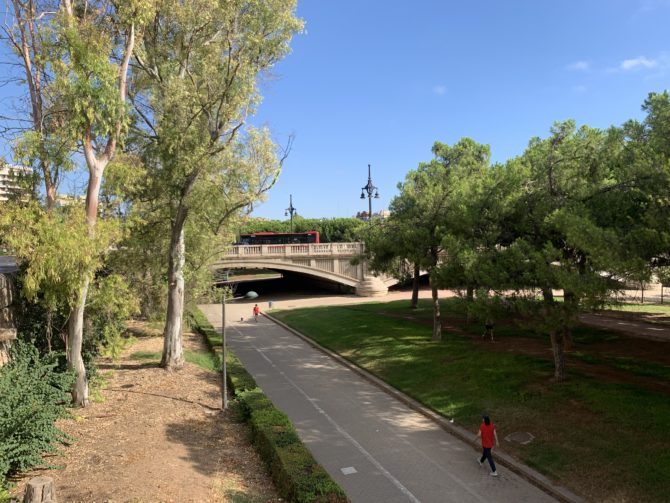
(606, 440)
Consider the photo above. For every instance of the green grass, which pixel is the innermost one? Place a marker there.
(631, 365)
(585, 429)
(203, 359)
(642, 308)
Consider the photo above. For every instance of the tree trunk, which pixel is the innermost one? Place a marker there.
(572, 307)
(50, 192)
(415, 287)
(75, 338)
(437, 321)
(40, 490)
(558, 348)
(173, 353)
(49, 328)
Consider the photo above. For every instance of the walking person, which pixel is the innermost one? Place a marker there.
(257, 311)
(487, 432)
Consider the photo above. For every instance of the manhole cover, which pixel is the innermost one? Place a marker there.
(520, 437)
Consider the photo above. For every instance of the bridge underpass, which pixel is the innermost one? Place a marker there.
(340, 263)
(286, 282)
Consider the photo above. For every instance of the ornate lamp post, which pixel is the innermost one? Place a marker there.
(370, 189)
(290, 210)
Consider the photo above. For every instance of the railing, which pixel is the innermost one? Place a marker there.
(292, 250)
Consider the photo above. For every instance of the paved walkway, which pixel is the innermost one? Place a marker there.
(633, 328)
(374, 445)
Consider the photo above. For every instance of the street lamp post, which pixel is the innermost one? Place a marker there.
(369, 189)
(290, 210)
(224, 281)
(224, 370)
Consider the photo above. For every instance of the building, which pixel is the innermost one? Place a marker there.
(13, 180)
(69, 200)
(363, 215)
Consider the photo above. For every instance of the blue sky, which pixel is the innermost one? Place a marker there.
(378, 81)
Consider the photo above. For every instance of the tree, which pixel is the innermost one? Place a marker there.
(195, 85)
(49, 247)
(425, 213)
(28, 32)
(331, 230)
(576, 227)
(92, 84)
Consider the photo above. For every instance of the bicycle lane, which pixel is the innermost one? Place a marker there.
(374, 446)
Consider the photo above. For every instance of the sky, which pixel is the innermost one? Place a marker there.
(379, 81)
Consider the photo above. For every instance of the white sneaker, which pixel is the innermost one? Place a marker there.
(480, 462)
(494, 474)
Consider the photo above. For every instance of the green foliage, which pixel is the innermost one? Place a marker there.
(6, 496)
(111, 303)
(297, 476)
(56, 250)
(331, 230)
(33, 397)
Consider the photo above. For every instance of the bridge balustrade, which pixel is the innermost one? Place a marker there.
(291, 250)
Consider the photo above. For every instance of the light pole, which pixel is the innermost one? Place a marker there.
(369, 188)
(290, 210)
(223, 347)
(224, 281)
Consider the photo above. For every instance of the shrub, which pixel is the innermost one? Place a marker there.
(33, 395)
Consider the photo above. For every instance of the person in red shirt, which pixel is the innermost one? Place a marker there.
(487, 432)
(257, 311)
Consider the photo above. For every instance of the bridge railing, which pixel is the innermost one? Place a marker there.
(292, 250)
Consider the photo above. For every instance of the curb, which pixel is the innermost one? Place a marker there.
(537, 479)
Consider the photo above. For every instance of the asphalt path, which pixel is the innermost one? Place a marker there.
(373, 445)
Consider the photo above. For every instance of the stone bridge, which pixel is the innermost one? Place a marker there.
(338, 262)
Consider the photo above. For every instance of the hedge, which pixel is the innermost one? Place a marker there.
(296, 474)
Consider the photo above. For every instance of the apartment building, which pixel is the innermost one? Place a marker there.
(11, 180)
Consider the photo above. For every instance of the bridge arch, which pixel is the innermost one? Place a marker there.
(282, 266)
(329, 261)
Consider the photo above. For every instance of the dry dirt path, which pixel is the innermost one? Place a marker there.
(158, 437)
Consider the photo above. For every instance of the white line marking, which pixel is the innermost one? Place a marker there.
(342, 432)
(348, 470)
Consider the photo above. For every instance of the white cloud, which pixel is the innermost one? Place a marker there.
(439, 89)
(579, 66)
(637, 63)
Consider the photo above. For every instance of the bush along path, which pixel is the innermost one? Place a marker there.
(297, 475)
(158, 436)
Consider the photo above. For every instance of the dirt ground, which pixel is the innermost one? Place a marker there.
(158, 436)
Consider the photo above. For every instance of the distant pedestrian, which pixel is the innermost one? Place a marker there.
(257, 311)
(488, 329)
(487, 432)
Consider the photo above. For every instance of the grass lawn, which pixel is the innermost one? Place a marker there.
(604, 439)
(642, 308)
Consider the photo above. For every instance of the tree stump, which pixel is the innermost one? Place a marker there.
(40, 490)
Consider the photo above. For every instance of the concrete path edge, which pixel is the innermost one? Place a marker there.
(559, 492)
